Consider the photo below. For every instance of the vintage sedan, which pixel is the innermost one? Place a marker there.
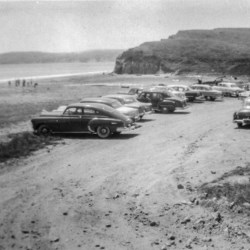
(228, 89)
(208, 92)
(93, 118)
(162, 100)
(130, 112)
(132, 102)
(191, 94)
(175, 92)
(242, 116)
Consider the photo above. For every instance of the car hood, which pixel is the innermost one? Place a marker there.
(245, 110)
(135, 105)
(128, 111)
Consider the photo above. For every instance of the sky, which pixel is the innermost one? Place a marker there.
(74, 26)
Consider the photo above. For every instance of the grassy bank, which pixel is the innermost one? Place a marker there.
(22, 144)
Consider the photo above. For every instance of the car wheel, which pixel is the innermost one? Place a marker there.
(206, 98)
(212, 98)
(239, 125)
(44, 130)
(103, 132)
(191, 99)
(171, 109)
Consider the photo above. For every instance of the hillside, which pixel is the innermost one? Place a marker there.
(41, 57)
(223, 50)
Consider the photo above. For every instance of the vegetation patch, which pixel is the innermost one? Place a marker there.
(22, 144)
(232, 189)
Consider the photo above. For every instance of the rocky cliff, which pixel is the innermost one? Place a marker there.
(223, 50)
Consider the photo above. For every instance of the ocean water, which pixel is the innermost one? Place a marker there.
(47, 70)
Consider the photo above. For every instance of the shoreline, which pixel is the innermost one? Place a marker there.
(54, 76)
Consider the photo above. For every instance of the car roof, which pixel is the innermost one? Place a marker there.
(155, 91)
(99, 106)
(98, 100)
(118, 96)
(200, 85)
(178, 85)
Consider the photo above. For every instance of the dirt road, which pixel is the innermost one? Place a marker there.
(132, 191)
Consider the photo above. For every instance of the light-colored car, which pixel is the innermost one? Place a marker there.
(208, 92)
(191, 94)
(132, 102)
(228, 89)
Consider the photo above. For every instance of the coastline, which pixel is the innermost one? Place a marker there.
(40, 77)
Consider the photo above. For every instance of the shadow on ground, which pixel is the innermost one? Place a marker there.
(95, 137)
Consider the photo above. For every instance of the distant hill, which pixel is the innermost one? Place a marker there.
(222, 50)
(42, 57)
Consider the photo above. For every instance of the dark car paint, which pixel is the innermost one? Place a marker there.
(83, 123)
(161, 99)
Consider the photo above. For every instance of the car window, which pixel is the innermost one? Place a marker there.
(90, 111)
(71, 111)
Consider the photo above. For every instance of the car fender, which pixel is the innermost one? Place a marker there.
(112, 123)
(166, 103)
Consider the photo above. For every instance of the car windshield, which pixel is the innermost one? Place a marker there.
(116, 104)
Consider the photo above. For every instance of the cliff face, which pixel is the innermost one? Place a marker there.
(197, 51)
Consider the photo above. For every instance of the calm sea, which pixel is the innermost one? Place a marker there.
(47, 70)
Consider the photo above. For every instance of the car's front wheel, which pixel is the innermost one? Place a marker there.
(44, 130)
(103, 132)
(239, 125)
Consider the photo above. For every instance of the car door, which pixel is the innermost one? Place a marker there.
(65, 123)
(88, 115)
(76, 120)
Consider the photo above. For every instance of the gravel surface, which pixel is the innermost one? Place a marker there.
(137, 190)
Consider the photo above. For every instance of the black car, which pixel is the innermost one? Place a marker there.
(242, 116)
(93, 118)
(162, 100)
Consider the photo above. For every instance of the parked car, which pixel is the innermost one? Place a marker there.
(91, 118)
(130, 112)
(132, 102)
(162, 100)
(177, 93)
(228, 89)
(243, 95)
(242, 116)
(208, 92)
(190, 94)
(246, 92)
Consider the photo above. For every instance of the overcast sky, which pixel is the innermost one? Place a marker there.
(66, 26)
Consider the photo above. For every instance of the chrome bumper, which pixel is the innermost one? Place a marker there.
(242, 121)
(133, 127)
